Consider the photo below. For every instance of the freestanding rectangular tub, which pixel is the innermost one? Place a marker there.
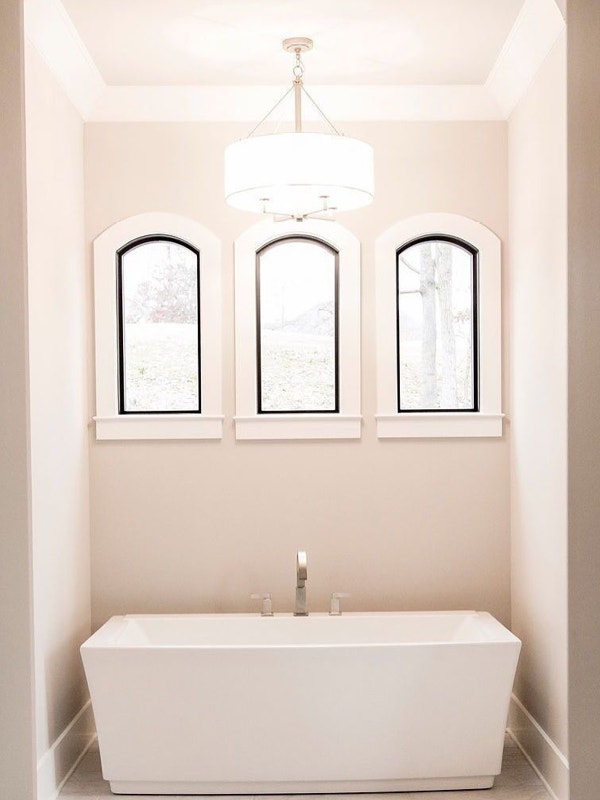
(243, 704)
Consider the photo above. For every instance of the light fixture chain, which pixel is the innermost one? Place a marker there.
(298, 68)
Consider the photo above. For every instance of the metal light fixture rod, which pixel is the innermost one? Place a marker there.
(298, 104)
(298, 45)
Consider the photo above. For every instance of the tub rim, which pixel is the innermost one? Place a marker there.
(107, 636)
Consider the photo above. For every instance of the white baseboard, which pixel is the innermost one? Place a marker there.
(539, 749)
(59, 761)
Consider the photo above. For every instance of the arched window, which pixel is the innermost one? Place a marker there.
(158, 291)
(297, 331)
(297, 326)
(438, 329)
(157, 286)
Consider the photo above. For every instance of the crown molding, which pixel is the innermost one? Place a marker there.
(536, 29)
(243, 103)
(49, 28)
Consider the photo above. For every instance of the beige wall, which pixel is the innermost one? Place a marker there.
(538, 408)
(17, 773)
(584, 390)
(58, 333)
(197, 526)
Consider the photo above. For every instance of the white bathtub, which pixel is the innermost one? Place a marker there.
(243, 704)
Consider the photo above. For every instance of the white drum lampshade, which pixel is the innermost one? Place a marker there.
(298, 173)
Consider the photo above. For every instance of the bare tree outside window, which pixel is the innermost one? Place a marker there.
(436, 281)
(296, 313)
(159, 346)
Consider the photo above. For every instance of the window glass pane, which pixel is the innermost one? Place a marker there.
(435, 327)
(297, 307)
(159, 347)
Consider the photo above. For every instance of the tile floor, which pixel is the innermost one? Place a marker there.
(516, 782)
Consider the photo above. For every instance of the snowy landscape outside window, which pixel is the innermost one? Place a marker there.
(437, 325)
(297, 326)
(159, 340)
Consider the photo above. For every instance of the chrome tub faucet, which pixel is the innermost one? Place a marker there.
(301, 574)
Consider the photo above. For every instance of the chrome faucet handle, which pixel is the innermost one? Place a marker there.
(335, 608)
(267, 605)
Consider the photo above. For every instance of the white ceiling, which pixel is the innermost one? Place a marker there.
(357, 42)
(221, 60)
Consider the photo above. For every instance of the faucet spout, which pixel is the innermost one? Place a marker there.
(301, 577)
(301, 568)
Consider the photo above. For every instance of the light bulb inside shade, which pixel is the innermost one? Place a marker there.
(298, 173)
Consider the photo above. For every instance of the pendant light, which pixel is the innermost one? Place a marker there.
(300, 174)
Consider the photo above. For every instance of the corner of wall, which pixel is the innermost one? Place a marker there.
(58, 387)
(538, 720)
(61, 759)
(541, 752)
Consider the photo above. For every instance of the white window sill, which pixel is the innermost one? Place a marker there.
(159, 426)
(298, 426)
(439, 424)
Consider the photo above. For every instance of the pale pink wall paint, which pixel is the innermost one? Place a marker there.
(197, 526)
(58, 378)
(538, 408)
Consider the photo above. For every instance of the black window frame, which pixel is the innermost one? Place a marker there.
(474, 253)
(122, 251)
(330, 248)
